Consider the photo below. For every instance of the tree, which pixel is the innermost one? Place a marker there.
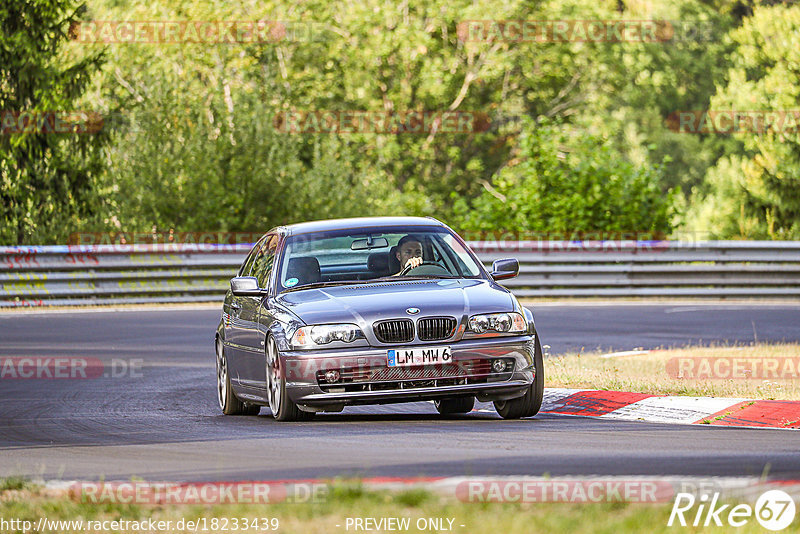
(188, 161)
(371, 56)
(569, 184)
(47, 179)
(756, 192)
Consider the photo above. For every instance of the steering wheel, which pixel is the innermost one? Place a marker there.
(436, 269)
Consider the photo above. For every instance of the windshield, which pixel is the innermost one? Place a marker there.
(346, 256)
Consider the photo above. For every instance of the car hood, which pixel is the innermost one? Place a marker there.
(363, 304)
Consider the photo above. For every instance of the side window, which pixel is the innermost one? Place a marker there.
(245, 270)
(264, 260)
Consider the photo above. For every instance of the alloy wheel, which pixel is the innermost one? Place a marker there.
(274, 384)
(222, 376)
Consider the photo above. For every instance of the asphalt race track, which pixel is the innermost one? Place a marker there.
(162, 422)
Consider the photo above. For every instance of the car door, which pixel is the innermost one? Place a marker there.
(253, 363)
(235, 330)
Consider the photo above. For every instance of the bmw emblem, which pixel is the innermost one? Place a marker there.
(412, 311)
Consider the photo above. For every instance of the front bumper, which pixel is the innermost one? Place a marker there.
(365, 377)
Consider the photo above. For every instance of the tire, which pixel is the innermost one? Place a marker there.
(529, 404)
(283, 409)
(228, 402)
(454, 405)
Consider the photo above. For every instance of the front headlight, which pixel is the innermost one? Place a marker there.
(498, 322)
(322, 334)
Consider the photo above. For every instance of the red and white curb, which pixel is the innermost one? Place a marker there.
(672, 409)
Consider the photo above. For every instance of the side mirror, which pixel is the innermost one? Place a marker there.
(507, 268)
(245, 286)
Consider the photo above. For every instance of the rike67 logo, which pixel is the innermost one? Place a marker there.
(774, 510)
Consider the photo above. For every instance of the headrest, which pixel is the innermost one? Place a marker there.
(378, 262)
(394, 263)
(305, 269)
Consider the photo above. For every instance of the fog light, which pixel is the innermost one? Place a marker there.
(498, 366)
(332, 376)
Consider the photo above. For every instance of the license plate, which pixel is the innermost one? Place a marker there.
(419, 356)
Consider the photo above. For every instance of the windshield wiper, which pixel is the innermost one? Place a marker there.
(415, 277)
(315, 285)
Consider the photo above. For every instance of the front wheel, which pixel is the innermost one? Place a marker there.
(529, 404)
(283, 409)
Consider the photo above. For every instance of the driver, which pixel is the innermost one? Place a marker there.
(409, 252)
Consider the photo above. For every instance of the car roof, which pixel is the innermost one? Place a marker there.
(356, 223)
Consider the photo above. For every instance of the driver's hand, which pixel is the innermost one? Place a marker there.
(413, 262)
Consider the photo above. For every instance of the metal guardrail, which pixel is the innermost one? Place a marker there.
(113, 274)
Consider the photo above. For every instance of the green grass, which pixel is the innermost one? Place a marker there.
(13, 483)
(647, 373)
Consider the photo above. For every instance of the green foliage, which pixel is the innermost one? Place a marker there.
(755, 192)
(190, 142)
(48, 181)
(13, 483)
(651, 80)
(236, 173)
(563, 182)
(217, 162)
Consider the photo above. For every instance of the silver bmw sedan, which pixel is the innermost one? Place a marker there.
(380, 310)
